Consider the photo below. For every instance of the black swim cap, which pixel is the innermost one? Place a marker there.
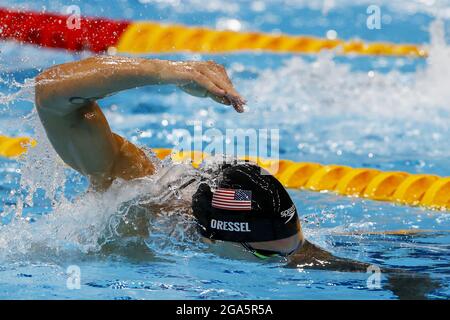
(247, 206)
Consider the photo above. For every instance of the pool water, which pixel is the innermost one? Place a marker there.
(377, 112)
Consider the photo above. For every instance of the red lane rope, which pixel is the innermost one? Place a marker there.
(50, 30)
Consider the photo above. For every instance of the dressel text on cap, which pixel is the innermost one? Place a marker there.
(230, 226)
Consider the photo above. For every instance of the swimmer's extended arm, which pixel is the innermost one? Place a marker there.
(64, 87)
(314, 257)
(404, 284)
(66, 97)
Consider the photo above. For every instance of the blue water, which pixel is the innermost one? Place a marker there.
(386, 113)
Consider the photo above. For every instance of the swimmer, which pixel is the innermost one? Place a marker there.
(248, 207)
(66, 100)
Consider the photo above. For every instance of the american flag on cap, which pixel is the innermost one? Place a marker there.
(232, 199)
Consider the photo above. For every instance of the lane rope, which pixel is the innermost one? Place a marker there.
(399, 187)
(107, 35)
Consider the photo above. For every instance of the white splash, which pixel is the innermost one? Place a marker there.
(95, 219)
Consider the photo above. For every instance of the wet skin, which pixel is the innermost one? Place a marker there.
(66, 98)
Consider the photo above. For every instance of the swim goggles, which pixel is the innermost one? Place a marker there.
(266, 254)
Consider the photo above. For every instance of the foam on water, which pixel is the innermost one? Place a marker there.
(95, 219)
(326, 88)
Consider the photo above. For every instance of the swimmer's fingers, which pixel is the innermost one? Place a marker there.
(206, 83)
(197, 91)
(194, 90)
(208, 79)
(216, 74)
(237, 102)
(238, 105)
(220, 71)
(221, 100)
(219, 94)
(190, 80)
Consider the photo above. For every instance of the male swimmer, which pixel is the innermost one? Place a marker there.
(66, 98)
(246, 208)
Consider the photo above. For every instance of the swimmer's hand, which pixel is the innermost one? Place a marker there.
(411, 286)
(206, 79)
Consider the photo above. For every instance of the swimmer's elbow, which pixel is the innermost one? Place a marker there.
(40, 91)
(47, 95)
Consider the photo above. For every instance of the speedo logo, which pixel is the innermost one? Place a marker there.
(230, 226)
(288, 213)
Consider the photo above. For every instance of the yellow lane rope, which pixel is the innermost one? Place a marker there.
(13, 147)
(400, 187)
(148, 37)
